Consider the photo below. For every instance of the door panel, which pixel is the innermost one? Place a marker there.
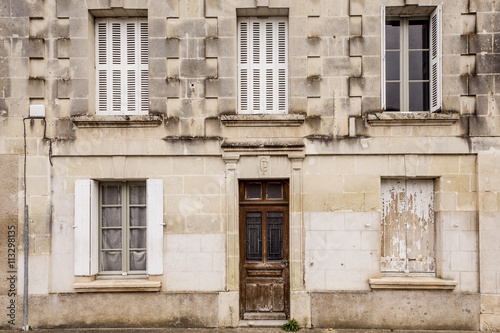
(264, 274)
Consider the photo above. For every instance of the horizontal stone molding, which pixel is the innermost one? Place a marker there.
(117, 121)
(263, 120)
(412, 282)
(117, 286)
(412, 119)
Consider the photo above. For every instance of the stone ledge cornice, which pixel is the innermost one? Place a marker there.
(411, 119)
(263, 120)
(116, 285)
(412, 282)
(122, 121)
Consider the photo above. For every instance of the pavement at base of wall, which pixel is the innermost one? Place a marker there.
(226, 330)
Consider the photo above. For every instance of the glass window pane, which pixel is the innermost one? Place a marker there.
(111, 239)
(137, 238)
(137, 194)
(392, 96)
(418, 34)
(392, 35)
(111, 261)
(275, 235)
(111, 195)
(392, 65)
(137, 260)
(137, 216)
(419, 65)
(111, 216)
(253, 191)
(274, 191)
(419, 96)
(254, 235)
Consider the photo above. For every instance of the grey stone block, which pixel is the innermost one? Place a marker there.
(18, 27)
(480, 43)
(192, 48)
(71, 8)
(488, 63)
(339, 66)
(26, 8)
(487, 22)
(193, 27)
(222, 87)
(20, 47)
(159, 88)
(227, 67)
(39, 28)
(36, 88)
(4, 67)
(192, 89)
(228, 105)
(157, 68)
(78, 27)
(359, 46)
(80, 88)
(227, 26)
(308, 87)
(220, 47)
(496, 43)
(80, 67)
(5, 47)
(64, 88)
(79, 106)
(63, 48)
(60, 28)
(480, 84)
(5, 8)
(197, 68)
(163, 48)
(454, 44)
(36, 48)
(157, 27)
(158, 106)
(468, 24)
(65, 129)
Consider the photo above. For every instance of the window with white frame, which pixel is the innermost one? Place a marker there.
(118, 227)
(262, 65)
(407, 225)
(121, 66)
(411, 59)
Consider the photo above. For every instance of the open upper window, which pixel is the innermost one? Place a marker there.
(121, 66)
(407, 225)
(411, 58)
(262, 65)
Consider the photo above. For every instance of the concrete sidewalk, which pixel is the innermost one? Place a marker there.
(225, 330)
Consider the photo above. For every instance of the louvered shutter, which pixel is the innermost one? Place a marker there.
(435, 59)
(382, 60)
(155, 224)
(262, 66)
(122, 66)
(86, 227)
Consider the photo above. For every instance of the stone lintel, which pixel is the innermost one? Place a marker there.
(412, 282)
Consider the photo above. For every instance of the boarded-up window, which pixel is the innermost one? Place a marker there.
(407, 226)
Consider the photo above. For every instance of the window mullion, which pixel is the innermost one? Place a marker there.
(405, 68)
(125, 229)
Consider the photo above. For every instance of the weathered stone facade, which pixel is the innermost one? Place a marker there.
(334, 145)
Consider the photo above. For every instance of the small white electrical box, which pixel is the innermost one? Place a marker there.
(37, 111)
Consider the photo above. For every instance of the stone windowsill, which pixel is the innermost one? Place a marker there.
(263, 120)
(412, 282)
(117, 121)
(116, 285)
(412, 118)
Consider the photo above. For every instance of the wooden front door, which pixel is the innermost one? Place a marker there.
(264, 273)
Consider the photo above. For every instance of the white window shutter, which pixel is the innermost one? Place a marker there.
(82, 228)
(382, 60)
(257, 66)
(155, 224)
(282, 64)
(243, 65)
(435, 60)
(122, 66)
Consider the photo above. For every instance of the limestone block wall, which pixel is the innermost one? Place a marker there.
(194, 214)
(342, 217)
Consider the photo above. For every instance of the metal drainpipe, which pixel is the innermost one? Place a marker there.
(26, 240)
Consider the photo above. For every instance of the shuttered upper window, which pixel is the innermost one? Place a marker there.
(262, 65)
(407, 226)
(122, 66)
(411, 60)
